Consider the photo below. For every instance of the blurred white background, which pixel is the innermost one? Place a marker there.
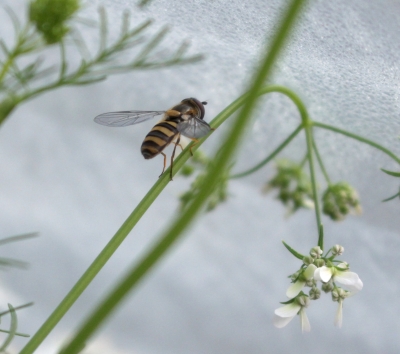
(76, 182)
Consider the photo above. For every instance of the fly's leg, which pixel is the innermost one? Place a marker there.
(179, 145)
(173, 154)
(165, 164)
(195, 142)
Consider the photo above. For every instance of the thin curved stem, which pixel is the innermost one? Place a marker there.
(357, 137)
(304, 119)
(271, 156)
(303, 162)
(321, 164)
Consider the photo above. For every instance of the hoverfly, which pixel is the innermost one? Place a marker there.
(185, 118)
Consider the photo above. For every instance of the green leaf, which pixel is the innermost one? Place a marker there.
(18, 237)
(390, 198)
(293, 252)
(391, 173)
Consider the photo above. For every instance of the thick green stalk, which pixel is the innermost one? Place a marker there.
(229, 146)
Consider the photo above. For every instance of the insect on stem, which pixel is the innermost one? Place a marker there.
(185, 118)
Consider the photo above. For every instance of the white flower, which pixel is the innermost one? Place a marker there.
(296, 287)
(285, 314)
(344, 277)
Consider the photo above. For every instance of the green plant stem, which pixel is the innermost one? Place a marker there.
(12, 331)
(229, 146)
(271, 156)
(357, 137)
(16, 333)
(321, 164)
(309, 139)
(303, 162)
(6, 66)
(321, 237)
(392, 197)
(304, 117)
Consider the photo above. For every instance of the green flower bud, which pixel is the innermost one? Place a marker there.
(294, 186)
(218, 195)
(187, 170)
(339, 294)
(50, 17)
(316, 252)
(315, 293)
(339, 200)
(303, 300)
(311, 283)
(327, 287)
(319, 262)
(308, 260)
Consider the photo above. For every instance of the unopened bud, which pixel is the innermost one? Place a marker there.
(319, 263)
(315, 293)
(337, 250)
(308, 260)
(327, 287)
(316, 252)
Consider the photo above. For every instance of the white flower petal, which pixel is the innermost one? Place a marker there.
(309, 272)
(288, 310)
(323, 274)
(305, 323)
(339, 315)
(349, 279)
(280, 322)
(295, 288)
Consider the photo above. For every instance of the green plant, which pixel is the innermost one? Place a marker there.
(338, 200)
(24, 74)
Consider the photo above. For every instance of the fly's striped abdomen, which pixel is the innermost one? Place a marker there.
(160, 137)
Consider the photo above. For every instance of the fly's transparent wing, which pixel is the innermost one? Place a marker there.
(194, 128)
(125, 118)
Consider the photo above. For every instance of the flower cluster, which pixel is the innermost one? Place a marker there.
(220, 192)
(317, 268)
(50, 17)
(339, 199)
(294, 186)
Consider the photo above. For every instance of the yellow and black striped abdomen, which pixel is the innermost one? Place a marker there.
(159, 138)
